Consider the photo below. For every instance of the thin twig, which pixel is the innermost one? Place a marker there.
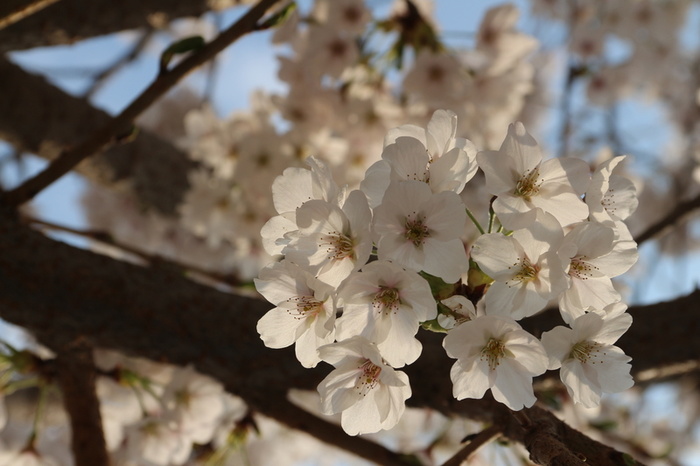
(682, 210)
(119, 64)
(122, 125)
(25, 11)
(481, 439)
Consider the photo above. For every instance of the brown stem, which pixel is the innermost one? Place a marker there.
(122, 124)
(76, 377)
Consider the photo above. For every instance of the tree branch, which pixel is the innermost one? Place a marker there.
(481, 439)
(121, 124)
(76, 377)
(24, 11)
(38, 117)
(61, 293)
(682, 210)
(72, 20)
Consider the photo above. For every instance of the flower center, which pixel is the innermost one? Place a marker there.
(368, 379)
(416, 231)
(304, 307)
(493, 352)
(529, 184)
(585, 350)
(339, 246)
(527, 273)
(386, 299)
(581, 269)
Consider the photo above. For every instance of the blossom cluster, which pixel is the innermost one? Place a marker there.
(360, 271)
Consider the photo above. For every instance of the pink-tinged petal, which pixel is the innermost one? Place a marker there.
(558, 343)
(408, 160)
(278, 328)
(362, 417)
(469, 381)
(528, 352)
(514, 212)
(376, 181)
(570, 172)
(501, 174)
(411, 131)
(497, 255)
(447, 260)
(291, 189)
(566, 207)
(614, 372)
(581, 388)
(513, 385)
(399, 347)
(451, 171)
(522, 148)
(441, 131)
(614, 327)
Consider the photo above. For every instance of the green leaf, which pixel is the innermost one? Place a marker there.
(188, 44)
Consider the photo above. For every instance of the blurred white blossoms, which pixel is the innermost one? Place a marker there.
(391, 257)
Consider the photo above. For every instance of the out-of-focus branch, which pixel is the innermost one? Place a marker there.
(481, 439)
(72, 20)
(681, 210)
(120, 126)
(37, 117)
(61, 293)
(24, 11)
(76, 377)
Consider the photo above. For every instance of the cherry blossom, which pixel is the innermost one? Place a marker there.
(370, 394)
(305, 311)
(495, 352)
(385, 304)
(590, 364)
(420, 230)
(523, 183)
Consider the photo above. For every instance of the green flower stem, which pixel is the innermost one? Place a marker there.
(475, 221)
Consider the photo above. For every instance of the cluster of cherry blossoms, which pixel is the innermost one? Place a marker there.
(360, 272)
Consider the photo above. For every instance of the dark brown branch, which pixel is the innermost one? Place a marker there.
(682, 210)
(61, 293)
(481, 439)
(37, 117)
(121, 125)
(24, 11)
(72, 20)
(76, 377)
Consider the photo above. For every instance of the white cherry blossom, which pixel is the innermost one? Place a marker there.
(590, 364)
(495, 352)
(594, 257)
(370, 394)
(523, 183)
(610, 197)
(332, 242)
(386, 304)
(305, 311)
(525, 267)
(421, 231)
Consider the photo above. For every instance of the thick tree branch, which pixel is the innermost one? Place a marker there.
(479, 440)
(73, 20)
(61, 293)
(37, 117)
(69, 158)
